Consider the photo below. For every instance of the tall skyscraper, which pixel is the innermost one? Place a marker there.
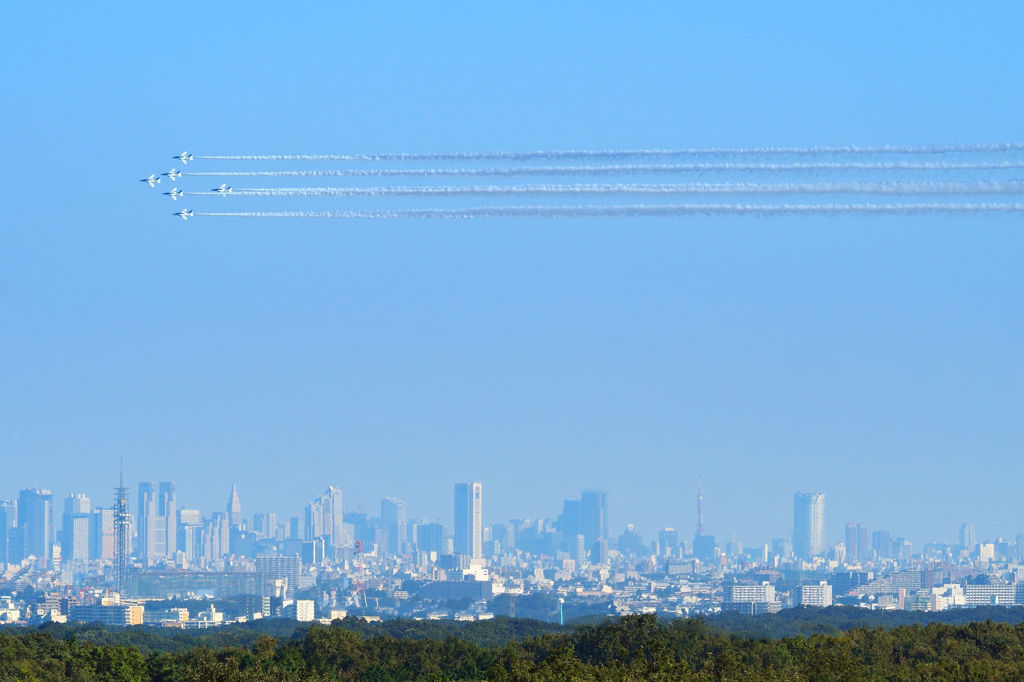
(190, 533)
(152, 542)
(265, 524)
(216, 537)
(430, 538)
(968, 536)
(881, 543)
(569, 524)
(75, 529)
(102, 537)
(35, 517)
(858, 543)
(8, 521)
(809, 524)
(864, 551)
(325, 517)
(469, 527)
(668, 540)
(594, 516)
(167, 511)
(234, 508)
(392, 518)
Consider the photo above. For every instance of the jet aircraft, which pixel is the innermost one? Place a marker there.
(184, 157)
(173, 174)
(186, 214)
(174, 193)
(223, 190)
(152, 180)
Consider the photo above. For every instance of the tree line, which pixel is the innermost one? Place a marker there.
(632, 647)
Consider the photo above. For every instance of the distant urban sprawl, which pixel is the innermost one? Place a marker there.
(145, 559)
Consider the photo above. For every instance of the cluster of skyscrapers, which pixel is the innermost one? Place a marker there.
(160, 531)
(148, 547)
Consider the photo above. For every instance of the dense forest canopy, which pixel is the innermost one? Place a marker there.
(633, 647)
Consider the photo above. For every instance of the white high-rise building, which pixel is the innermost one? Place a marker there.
(469, 525)
(819, 595)
(808, 524)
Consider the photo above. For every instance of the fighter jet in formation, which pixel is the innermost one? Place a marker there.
(173, 174)
(186, 214)
(174, 193)
(152, 180)
(223, 190)
(184, 157)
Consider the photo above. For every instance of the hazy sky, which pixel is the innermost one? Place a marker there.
(877, 359)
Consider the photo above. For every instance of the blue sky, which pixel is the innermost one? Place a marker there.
(876, 359)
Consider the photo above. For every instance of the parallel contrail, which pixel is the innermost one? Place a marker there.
(627, 153)
(881, 188)
(638, 211)
(623, 170)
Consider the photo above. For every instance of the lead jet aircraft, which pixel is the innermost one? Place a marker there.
(152, 180)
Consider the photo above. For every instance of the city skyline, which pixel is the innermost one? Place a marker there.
(155, 528)
(104, 565)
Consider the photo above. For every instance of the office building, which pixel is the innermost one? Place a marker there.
(858, 543)
(393, 523)
(102, 540)
(8, 522)
(568, 524)
(265, 524)
(157, 522)
(325, 518)
(704, 547)
(167, 512)
(881, 544)
(809, 525)
(668, 540)
(35, 518)
(430, 538)
(594, 516)
(271, 571)
(234, 507)
(190, 534)
(587, 516)
(216, 537)
(75, 528)
(469, 525)
(968, 536)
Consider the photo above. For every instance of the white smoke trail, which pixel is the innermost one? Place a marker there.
(624, 169)
(638, 211)
(630, 153)
(883, 188)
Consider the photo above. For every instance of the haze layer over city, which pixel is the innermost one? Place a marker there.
(872, 358)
